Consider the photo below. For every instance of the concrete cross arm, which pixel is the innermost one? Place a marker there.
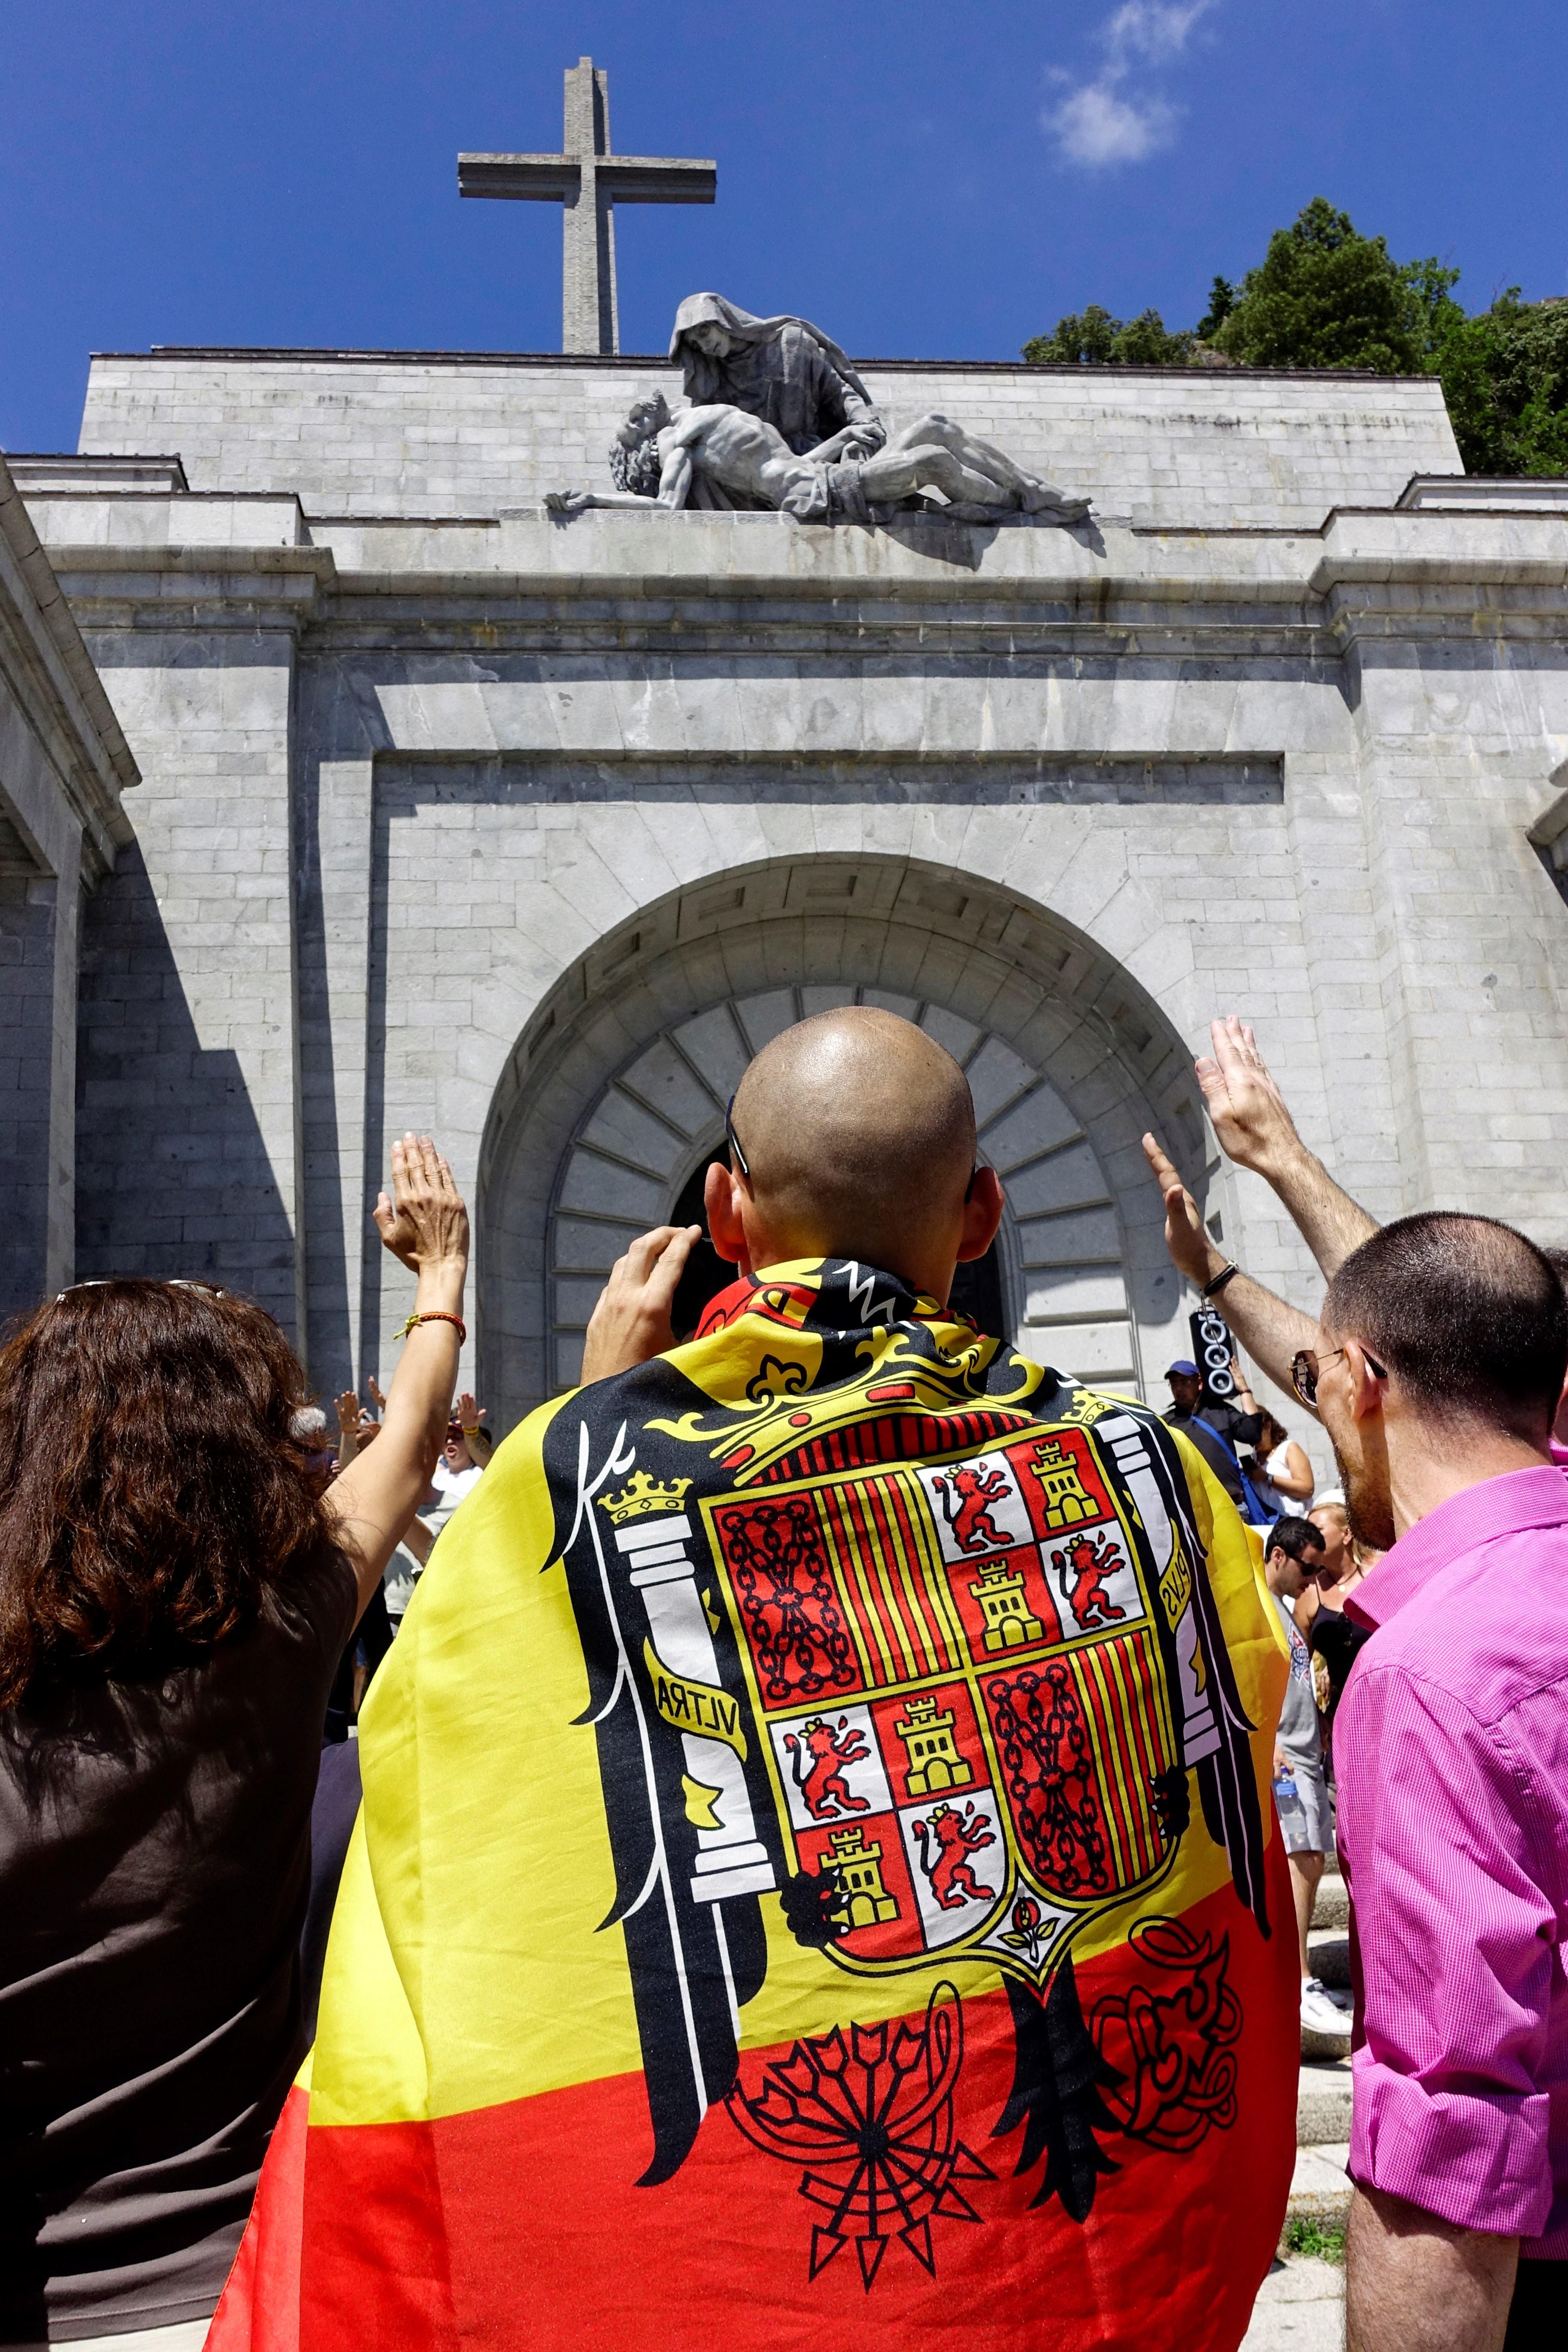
(624, 179)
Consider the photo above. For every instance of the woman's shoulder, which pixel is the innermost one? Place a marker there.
(319, 1605)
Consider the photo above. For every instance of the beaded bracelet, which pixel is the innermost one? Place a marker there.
(436, 1315)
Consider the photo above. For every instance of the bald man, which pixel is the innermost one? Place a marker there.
(813, 1879)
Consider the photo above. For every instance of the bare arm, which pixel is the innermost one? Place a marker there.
(1255, 1130)
(1412, 2280)
(674, 479)
(576, 502)
(1295, 1480)
(417, 1538)
(372, 1502)
(1271, 1331)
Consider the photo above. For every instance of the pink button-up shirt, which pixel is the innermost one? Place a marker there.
(1451, 1748)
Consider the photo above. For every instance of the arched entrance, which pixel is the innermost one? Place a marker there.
(614, 1100)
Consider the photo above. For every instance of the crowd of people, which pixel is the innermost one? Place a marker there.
(203, 1579)
(1311, 1565)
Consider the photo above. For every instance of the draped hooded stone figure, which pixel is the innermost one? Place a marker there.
(783, 370)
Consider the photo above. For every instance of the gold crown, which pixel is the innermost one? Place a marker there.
(644, 1493)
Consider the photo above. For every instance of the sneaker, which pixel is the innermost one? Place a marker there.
(1319, 2014)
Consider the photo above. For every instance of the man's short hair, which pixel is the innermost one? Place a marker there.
(1295, 1537)
(1467, 1315)
(307, 1423)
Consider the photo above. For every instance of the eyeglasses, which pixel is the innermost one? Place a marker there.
(744, 1164)
(1307, 1364)
(733, 1140)
(175, 1282)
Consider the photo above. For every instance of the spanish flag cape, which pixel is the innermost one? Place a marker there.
(817, 1880)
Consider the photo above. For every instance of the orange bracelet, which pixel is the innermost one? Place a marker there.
(436, 1315)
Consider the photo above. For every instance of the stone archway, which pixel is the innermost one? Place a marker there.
(615, 1094)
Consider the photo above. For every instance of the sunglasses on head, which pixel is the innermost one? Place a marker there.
(1305, 1365)
(173, 1282)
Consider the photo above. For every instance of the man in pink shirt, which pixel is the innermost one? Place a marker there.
(1437, 1371)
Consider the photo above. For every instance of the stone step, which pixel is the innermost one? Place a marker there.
(1329, 1949)
(1332, 1908)
(1323, 2102)
(1320, 2186)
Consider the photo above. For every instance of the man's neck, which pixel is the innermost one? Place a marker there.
(1421, 1481)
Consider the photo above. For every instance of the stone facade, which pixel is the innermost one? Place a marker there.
(63, 764)
(457, 817)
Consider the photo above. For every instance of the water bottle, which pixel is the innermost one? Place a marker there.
(1286, 1798)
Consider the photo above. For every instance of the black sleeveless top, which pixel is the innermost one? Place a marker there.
(155, 1865)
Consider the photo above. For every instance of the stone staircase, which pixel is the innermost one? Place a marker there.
(1319, 2190)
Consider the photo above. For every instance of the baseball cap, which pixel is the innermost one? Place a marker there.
(1185, 1366)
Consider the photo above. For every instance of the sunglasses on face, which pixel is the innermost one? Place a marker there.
(1307, 1364)
(733, 1140)
(744, 1164)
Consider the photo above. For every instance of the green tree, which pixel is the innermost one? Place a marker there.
(1324, 296)
(1222, 302)
(1505, 380)
(1093, 337)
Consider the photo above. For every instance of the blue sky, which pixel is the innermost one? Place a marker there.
(924, 181)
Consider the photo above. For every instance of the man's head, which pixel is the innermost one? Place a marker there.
(646, 419)
(1294, 1557)
(635, 464)
(308, 1428)
(1185, 1384)
(454, 1452)
(1445, 1338)
(1332, 1523)
(857, 1132)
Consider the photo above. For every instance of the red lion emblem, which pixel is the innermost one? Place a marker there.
(1087, 1563)
(965, 1497)
(954, 1837)
(817, 1758)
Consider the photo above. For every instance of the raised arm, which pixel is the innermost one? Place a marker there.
(1255, 1130)
(426, 1226)
(1271, 1331)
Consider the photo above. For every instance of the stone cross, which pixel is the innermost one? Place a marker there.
(589, 181)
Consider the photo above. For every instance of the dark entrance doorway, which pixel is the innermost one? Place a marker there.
(976, 1288)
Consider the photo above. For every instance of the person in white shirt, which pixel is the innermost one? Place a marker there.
(1282, 1478)
(456, 1475)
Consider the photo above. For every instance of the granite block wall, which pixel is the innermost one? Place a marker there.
(390, 433)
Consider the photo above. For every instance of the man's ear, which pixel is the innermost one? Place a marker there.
(1366, 1386)
(982, 1215)
(723, 1196)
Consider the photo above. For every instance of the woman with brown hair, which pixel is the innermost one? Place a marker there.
(176, 1588)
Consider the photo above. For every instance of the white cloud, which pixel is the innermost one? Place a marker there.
(1094, 126)
(1114, 119)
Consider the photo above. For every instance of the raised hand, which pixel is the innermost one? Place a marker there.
(353, 1423)
(1192, 1252)
(1256, 1130)
(423, 1221)
(373, 1385)
(1246, 1108)
(631, 1321)
(468, 1414)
